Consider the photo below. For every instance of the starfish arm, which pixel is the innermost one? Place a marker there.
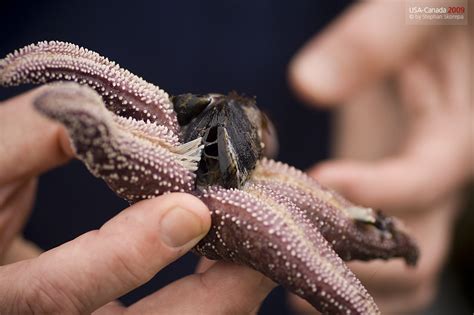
(124, 93)
(135, 167)
(354, 232)
(260, 228)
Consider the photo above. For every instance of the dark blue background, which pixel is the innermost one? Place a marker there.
(183, 46)
(200, 47)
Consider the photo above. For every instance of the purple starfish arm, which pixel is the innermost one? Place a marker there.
(261, 228)
(123, 93)
(137, 161)
(354, 232)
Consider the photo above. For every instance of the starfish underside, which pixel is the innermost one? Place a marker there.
(281, 222)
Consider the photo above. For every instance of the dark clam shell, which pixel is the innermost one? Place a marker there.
(230, 127)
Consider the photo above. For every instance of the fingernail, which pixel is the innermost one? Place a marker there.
(179, 227)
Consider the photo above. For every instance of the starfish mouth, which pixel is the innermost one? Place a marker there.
(274, 219)
(231, 130)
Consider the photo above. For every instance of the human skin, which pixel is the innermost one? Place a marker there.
(158, 231)
(373, 147)
(403, 133)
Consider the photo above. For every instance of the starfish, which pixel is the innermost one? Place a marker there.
(279, 221)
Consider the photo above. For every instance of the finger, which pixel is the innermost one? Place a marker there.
(6, 191)
(397, 183)
(20, 249)
(112, 308)
(15, 211)
(366, 43)
(204, 264)
(224, 288)
(300, 306)
(99, 266)
(449, 60)
(425, 171)
(29, 143)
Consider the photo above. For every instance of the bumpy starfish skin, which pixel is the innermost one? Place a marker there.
(123, 92)
(263, 229)
(281, 222)
(353, 231)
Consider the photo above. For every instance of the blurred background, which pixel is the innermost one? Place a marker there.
(198, 47)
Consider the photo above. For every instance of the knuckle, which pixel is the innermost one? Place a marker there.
(43, 296)
(140, 256)
(129, 268)
(136, 259)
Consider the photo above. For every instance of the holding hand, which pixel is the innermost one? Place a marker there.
(88, 273)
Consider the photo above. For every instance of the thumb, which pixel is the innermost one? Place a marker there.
(29, 143)
(361, 46)
(102, 265)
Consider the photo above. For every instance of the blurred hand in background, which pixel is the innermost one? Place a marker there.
(402, 136)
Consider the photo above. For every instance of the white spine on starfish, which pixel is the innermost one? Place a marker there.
(149, 130)
(58, 47)
(188, 154)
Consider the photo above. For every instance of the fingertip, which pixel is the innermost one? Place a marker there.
(24, 129)
(353, 52)
(180, 219)
(178, 200)
(65, 142)
(354, 180)
(127, 251)
(329, 173)
(315, 77)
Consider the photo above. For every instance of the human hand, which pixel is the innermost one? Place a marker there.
(403, 134)
(88, 273)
